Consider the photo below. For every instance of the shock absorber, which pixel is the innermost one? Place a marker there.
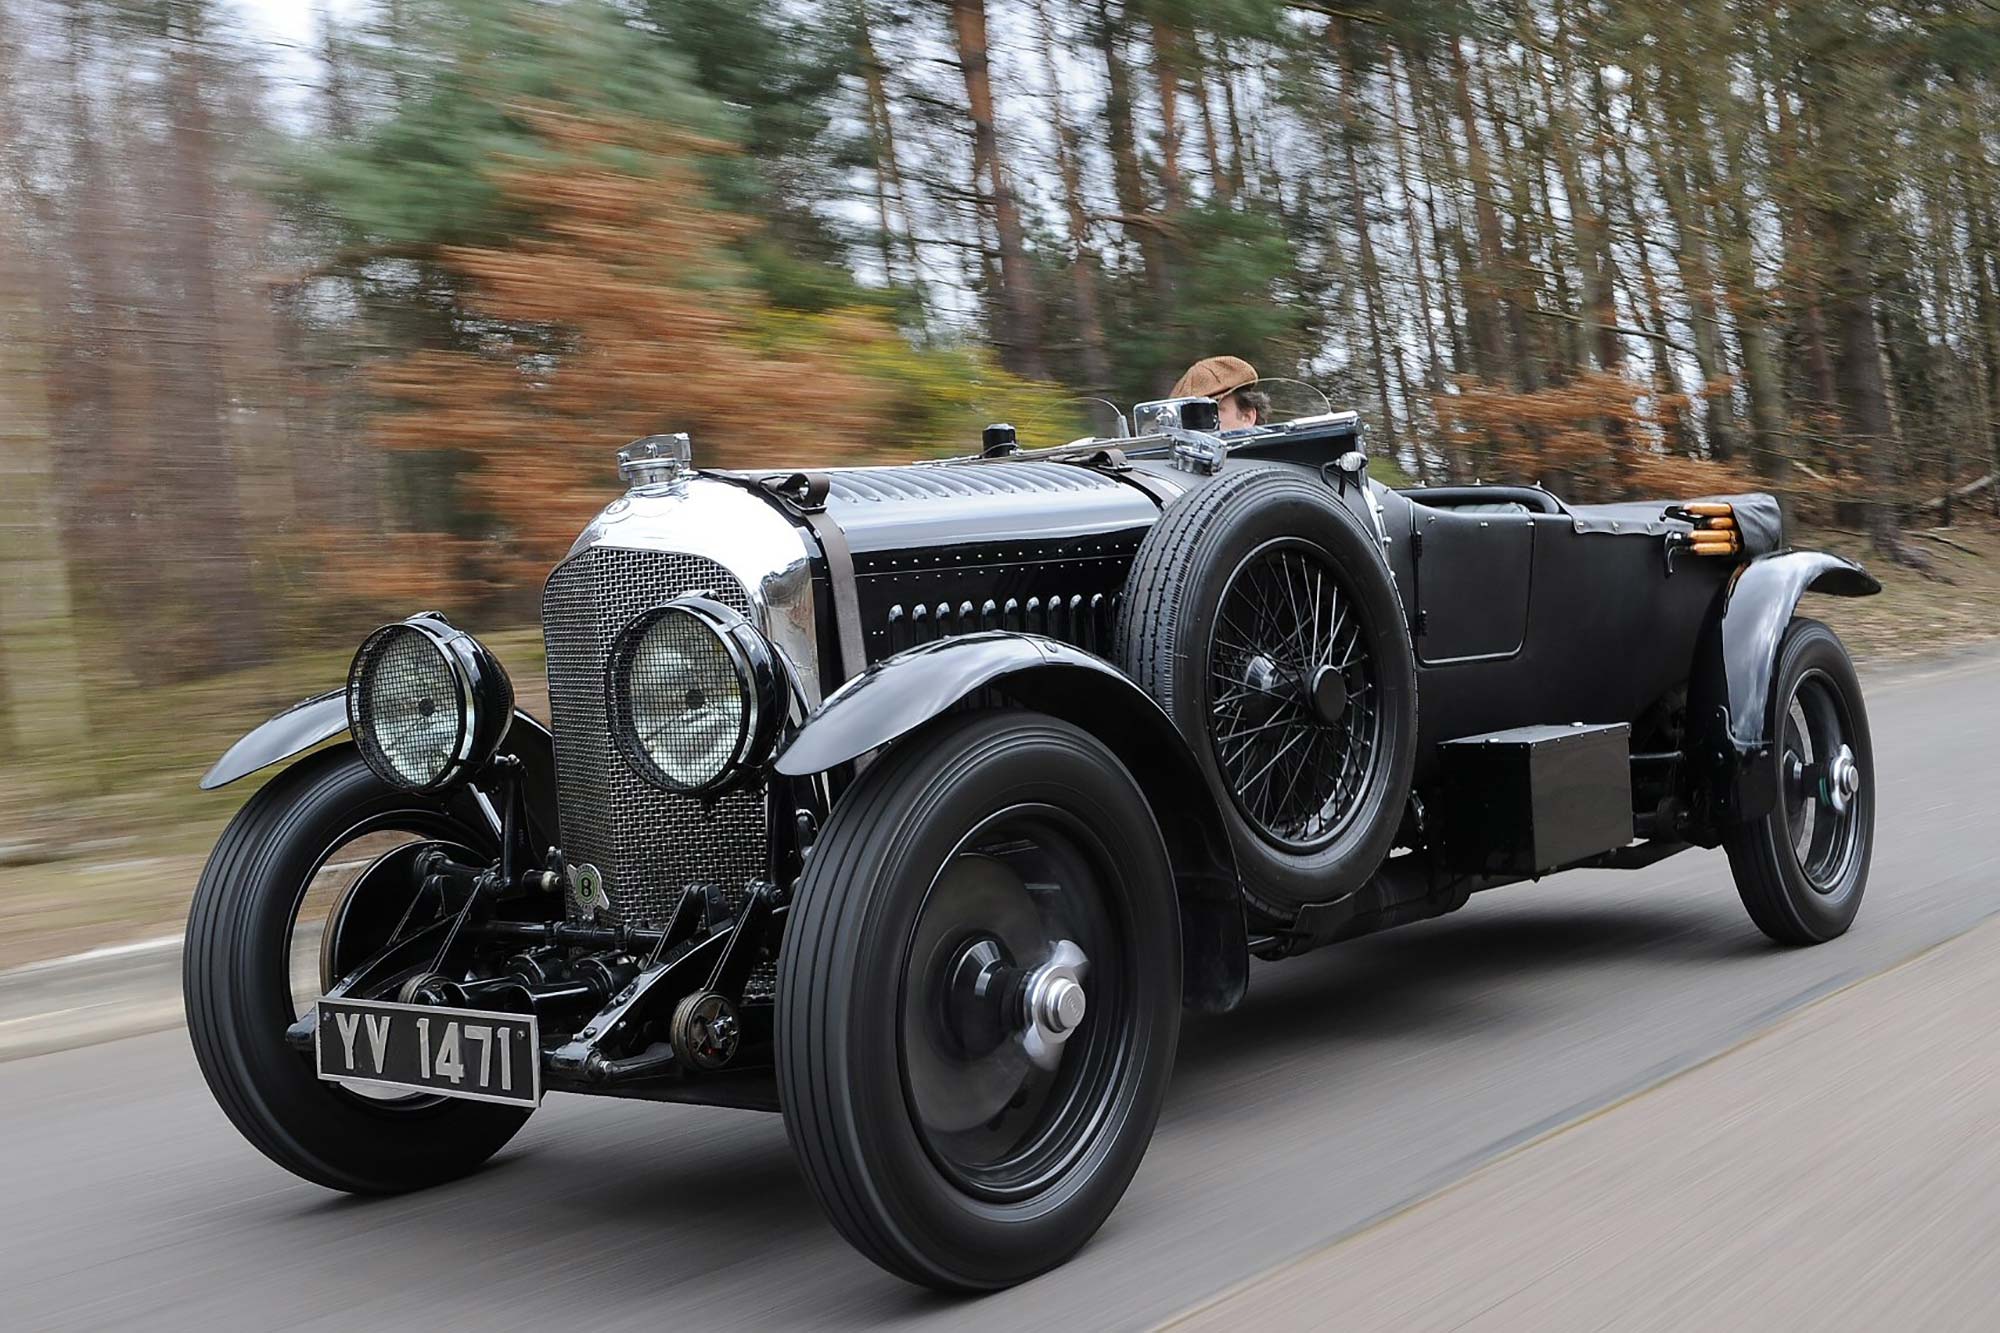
(540, 981)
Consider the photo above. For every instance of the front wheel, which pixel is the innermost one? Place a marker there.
(281, 913)
(1801, 869)
(979, 1000)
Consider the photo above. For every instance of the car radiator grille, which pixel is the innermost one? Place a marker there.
(648, 844)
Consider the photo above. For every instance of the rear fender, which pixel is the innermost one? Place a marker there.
(1730, 695)
(900, 694)
(314, 721)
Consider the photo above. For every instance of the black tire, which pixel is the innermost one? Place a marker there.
(1167, 639)
(239, 998)
(849, 1067)
(1801, 870)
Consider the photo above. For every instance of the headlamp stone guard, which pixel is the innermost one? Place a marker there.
(484, 699)
(757, 674)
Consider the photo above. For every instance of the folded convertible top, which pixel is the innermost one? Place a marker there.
(1756, 514)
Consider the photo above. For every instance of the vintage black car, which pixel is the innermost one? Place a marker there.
(915, 803)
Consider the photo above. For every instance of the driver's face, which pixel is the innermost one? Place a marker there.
(1233, 415)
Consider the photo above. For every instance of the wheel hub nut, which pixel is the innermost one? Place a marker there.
(1843, 780)
(1329, 694)
(1060, 1005)
(1054, 1003)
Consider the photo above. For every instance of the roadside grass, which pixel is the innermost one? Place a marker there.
(1916, 616)
(102, 839)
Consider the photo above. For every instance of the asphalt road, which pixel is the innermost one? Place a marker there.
(1350, 1084)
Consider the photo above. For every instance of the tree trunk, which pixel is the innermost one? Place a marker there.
(99, 448)
(199, 466)
(1592, 235)
(1985, 261)
(1082, 270)
(1520, 290)
(1802, 267)
(1864, 396)
(1698, 284)
(1443, 251)
(1167, 76)
(1218, 179)
(1666, 377)
(881, 142)
(1733, 227)
(1434, 371)
(1226, 76)
(1357, 191)
(1479, 286)
(1593, 246)
(1019, 324)
(1128, 181)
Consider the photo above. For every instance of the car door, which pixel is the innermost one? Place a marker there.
(1474, 573)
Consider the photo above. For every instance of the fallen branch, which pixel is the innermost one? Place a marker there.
(1970, 488)
(1945, 541)
(1890, 543)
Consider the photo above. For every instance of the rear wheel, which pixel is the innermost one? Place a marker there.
(311, 878)
(1802, 868)
(979, 1000)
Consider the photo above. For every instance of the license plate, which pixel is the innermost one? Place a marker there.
(469, 1053)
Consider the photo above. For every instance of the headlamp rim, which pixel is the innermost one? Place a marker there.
(750, 658)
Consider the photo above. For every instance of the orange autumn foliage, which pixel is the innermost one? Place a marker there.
(618, 314)
(1596, 435)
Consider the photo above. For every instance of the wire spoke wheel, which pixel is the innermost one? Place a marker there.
(1262, 615)
(1294, 708)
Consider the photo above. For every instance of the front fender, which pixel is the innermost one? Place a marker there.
(305, 724)
(900, 694)
(321, 718)
(1730, 699)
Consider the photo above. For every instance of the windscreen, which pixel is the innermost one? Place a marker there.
(1277, 401)
(1072, 420)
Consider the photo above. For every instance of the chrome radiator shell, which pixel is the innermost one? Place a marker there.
(654, 544)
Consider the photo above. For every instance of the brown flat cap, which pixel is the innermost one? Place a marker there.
(1213, 376)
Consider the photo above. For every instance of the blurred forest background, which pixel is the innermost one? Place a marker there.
(297, 334)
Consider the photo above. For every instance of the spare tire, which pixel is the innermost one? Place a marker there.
(1260, 614)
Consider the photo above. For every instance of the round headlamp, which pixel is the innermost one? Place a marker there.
(427, 702)
(692, 694)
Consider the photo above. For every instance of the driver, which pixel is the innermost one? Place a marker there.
(1226, 379)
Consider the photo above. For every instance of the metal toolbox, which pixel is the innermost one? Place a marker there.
(1531, 799)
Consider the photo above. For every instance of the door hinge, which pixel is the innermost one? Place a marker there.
(1416, 544)
(1420, 624)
